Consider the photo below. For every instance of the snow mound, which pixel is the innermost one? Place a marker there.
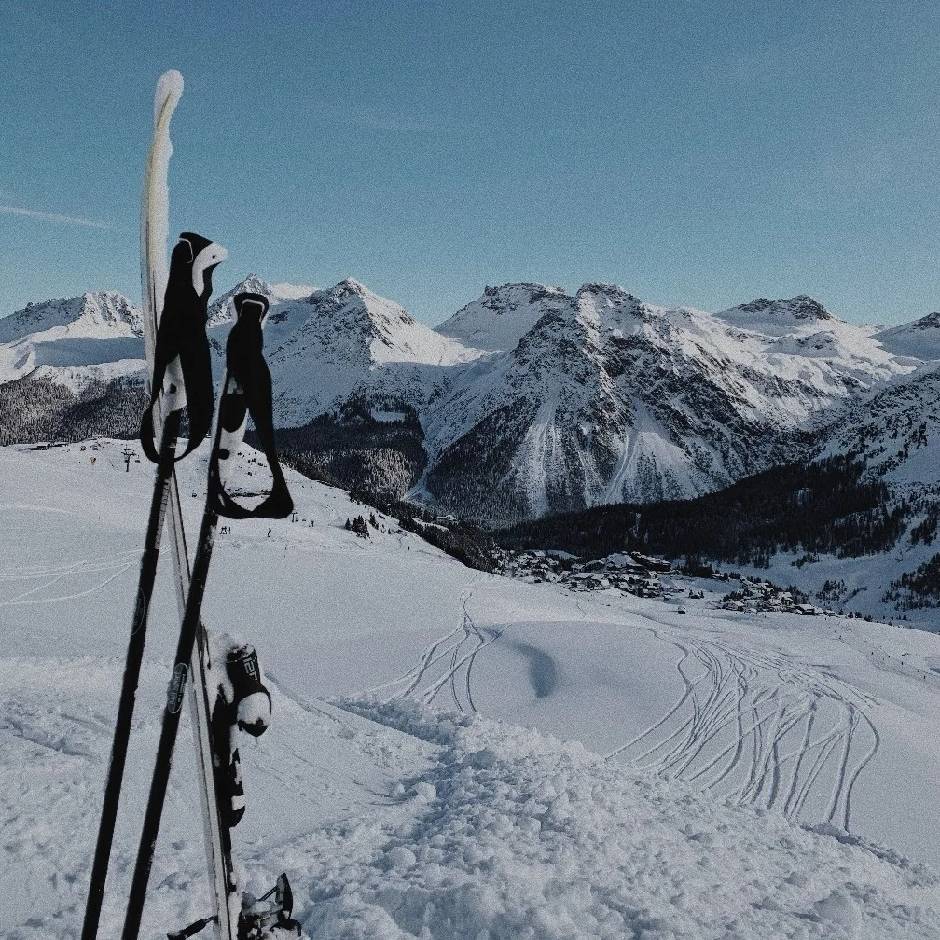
(520, 835)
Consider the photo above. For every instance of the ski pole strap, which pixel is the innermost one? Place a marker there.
(247, 391)
(182, 347)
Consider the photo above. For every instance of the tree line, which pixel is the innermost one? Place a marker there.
(824, 507)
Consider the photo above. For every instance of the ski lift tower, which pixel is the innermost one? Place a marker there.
(128, 455)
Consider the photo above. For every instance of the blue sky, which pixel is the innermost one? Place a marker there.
(702, 153)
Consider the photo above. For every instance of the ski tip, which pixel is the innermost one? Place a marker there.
(169, 89)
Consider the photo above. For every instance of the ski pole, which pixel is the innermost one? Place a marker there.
(171, 720)
(129, 683)
(246, 388)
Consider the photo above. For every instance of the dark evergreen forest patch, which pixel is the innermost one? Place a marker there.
(825, 507)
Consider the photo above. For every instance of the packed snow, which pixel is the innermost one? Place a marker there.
(696, 774)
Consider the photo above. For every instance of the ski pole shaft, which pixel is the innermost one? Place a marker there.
(129, 683)
(171, 719)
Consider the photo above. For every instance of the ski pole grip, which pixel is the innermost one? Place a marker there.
(248, 392)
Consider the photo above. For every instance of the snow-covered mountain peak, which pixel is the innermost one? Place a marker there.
(920, 339)
(345, 342)
(610, 306)
(612, 294)
(351, 304)
(110, 311)
(255, 283)
(75, 340)
(95, 314)
(779, 317)
(503, 315)
(349, 285)
(222, 310)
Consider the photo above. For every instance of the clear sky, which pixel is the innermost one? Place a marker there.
(701, 153)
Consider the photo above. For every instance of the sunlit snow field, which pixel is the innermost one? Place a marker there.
(729, 774)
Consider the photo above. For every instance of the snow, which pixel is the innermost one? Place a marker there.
(502, 316)
(777, 317)
(347, 342)
(920, 339)
(292, 291)
(222, 309)
(73, 340)
(526, 836)
(602, 397)
(682, 776)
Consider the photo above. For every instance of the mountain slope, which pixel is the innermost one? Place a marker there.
(73, 341)
(920, 339)
(607, 399)
(222, 310)
(857, 527)
(503, 315)
(895, 432)
(346, 343)
(526, 401)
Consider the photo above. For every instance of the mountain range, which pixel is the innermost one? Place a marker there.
(530, 399)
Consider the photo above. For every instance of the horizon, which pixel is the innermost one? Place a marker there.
(698, 158)
(288, 291)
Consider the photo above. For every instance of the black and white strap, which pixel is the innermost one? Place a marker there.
(247, 392)
(182, 366)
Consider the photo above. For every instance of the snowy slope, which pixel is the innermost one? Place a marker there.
(716, 757)
(799, 334)
(895, 432)
(503, 315)
(920, 339)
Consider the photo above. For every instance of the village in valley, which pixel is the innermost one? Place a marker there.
(645, 576)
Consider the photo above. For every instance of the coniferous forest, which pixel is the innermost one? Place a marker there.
(825, 507)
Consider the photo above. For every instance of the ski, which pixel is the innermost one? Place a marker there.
(180, 376)
(154, 235)
(246, 389)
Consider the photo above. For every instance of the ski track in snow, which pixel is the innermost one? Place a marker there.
(79, 572)
(760, 729)
(756, 728)
(455, 654)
